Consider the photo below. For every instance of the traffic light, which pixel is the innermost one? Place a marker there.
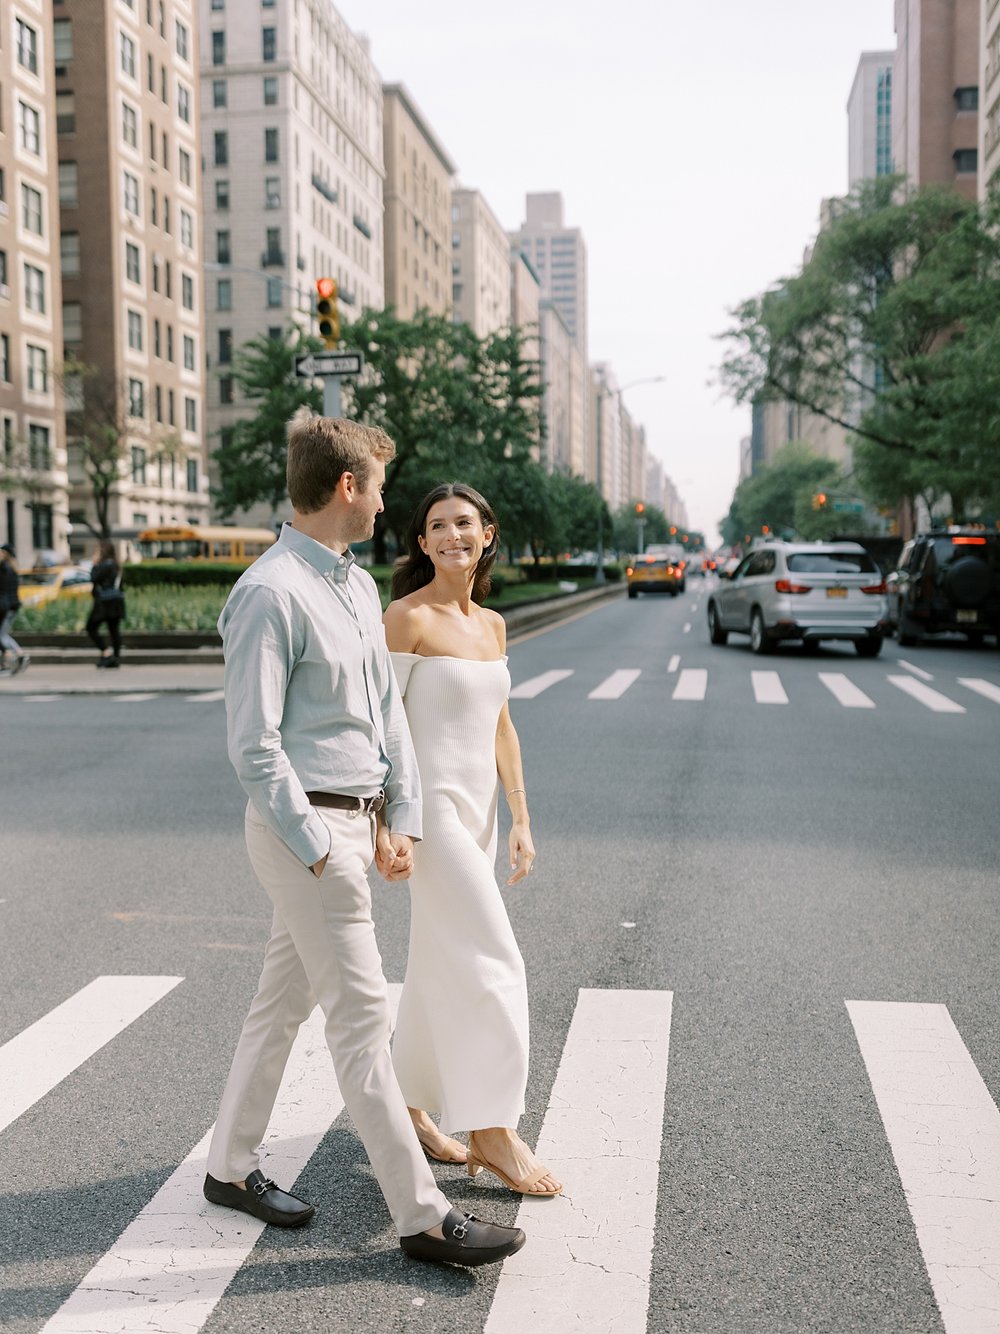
(640, 508)
(819, 500)
(327, 312)
(673, 531)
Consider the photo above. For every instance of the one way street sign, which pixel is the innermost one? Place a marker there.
(328, 363)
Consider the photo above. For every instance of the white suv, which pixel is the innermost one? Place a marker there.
(802, 590)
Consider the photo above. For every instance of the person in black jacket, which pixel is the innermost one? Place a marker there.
(109, 605)
(12, 660)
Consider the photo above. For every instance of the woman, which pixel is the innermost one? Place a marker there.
(461, 1044)
(109, 605)
(12, 660)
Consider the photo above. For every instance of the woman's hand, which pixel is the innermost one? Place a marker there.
(522, 851)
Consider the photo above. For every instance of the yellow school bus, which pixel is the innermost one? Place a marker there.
(240, 546)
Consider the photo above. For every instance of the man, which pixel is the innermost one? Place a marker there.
(319, 740)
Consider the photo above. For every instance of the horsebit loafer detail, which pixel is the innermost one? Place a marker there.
(262, 1198)
(467, 1241)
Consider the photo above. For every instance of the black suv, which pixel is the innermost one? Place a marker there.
(947, 580)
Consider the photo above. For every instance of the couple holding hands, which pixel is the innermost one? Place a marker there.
(345, 756)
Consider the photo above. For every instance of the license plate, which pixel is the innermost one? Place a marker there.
(836, 592)
(967, 617)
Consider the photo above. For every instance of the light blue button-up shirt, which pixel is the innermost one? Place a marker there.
(311, 700)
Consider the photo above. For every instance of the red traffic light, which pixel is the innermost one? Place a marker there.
(640, 508)
(326, 287)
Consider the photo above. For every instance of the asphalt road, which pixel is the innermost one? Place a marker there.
(763, 862)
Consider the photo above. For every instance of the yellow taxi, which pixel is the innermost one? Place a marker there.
(654, 573)
(36, 587)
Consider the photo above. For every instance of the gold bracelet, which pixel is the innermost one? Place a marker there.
(513, 792)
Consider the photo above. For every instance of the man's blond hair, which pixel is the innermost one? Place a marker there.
(321, 449)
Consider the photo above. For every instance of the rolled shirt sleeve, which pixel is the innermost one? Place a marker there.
(403, 797)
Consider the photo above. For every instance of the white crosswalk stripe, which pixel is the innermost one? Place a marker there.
(933, 699)
(692, 684)
(985, 688)
(767, 688)
(532, 688)
(944, 1131)
(43, 1055)
(845, 692)
(616, 684)
(207, 697)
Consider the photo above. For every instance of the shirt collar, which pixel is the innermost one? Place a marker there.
(330, 564)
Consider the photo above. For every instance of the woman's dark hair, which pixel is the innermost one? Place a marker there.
(415, 569)
(106, 551)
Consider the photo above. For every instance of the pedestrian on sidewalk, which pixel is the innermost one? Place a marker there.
(12, 660)
(318, 737)
(109, 605)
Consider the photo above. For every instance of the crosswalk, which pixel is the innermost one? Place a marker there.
(589, 1261)
(694, 685)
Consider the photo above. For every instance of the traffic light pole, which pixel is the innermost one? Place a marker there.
(331, 395)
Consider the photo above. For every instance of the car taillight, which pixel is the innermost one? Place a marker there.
(629, 569)
(874, 588)
(968, 541)
(786, 586)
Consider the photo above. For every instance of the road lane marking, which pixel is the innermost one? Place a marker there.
(534, 687)
(616, 684)
(933, 699)
(687, 628)
(170, 1267)
(208, 697)
(985, 688)
(691, 683)
(587, 1262)
(767, 688)
(917, 671)
(39, 699)
(674, 663)
(49, 1050)
(138, 698)
(845, 692)
(944, 1131)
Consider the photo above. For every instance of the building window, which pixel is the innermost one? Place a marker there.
(27, 46)
(34, 289)
(220, 93)
(131, 193)
(222, 196)
(225, 346)
(4, 285)
(31, 209)
(222, 249)
(273, 253)
(138, 464)
(224, 294)
(68, 189)
(184, 103)
(29, 125)
(221, 148)
(65, 113)
(69, 254)
(38, 369)
(966, 160)
(270, 90)
(158, 407)
(188, 349)
(190, 414)
(5, 358)
(170, 408)
(72, 322)
(135, 331)
(187, 228)
(187, 291)
(218, 48)
(62, 41)
(39, 448)
(967, 99)
(271, 145)
(170, 342)
(130, 125)
(272, 192)
(183, 40)
(126, 49)
(136, 398)
(192, 474)
(226, 389)
(41, 526)
(133, 271)
(268, 44)
(185, 166)
(274, 292)
(156, 338)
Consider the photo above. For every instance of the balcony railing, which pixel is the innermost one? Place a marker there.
(325, 190)
(272, 259)
(362, 226)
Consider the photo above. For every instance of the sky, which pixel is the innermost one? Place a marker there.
(692, 145)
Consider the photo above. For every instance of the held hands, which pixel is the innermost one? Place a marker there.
(522, 852)
(393, 854)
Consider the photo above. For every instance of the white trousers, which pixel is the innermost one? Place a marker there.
(322, 949)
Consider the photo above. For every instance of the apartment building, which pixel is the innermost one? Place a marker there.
(34, 506)
(130, 206)
(989, 121)
(418, 177)
(292, 143)
(480, 264)
(869, 118)
(935, 92)
(564, 400)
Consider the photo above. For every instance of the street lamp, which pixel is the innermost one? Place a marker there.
(604, 393)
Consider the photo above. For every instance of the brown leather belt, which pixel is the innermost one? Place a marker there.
(356, 805)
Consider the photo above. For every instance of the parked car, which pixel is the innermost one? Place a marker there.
(36, 587)
(654, 574)
(946, 580)
(798, 590)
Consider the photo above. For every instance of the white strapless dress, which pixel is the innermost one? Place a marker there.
(461, 1043)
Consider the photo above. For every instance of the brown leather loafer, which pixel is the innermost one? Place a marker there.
(262, 1199)
(467, 1241)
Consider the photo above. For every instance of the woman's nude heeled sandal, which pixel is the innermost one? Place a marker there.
(476, 1165)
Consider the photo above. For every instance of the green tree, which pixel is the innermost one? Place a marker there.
(887, 330)
(778, 497)
(625, 527)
